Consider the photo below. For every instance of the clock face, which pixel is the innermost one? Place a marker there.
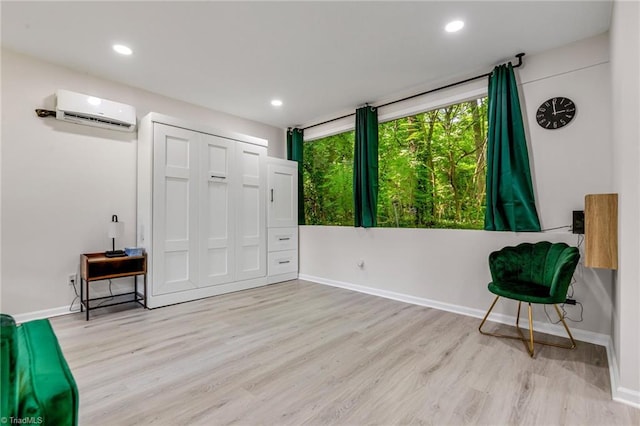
(555, 113)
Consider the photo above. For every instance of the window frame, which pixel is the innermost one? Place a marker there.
(429, 102)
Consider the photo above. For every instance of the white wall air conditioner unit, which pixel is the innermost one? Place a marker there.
(92, 111)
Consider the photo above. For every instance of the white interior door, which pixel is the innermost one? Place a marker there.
(282, 203)
(175, 209)
(251, 255)
(217, 213)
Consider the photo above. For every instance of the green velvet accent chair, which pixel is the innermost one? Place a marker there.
(532, 273)
(37, 386)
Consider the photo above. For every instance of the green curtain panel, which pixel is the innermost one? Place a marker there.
(295, 139)
(365, 167)
(510, 202)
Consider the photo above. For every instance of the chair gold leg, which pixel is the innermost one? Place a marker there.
(530, 331)
(487, 315)
(528, 342)
(573, 342)
(498, 334)
(521, 337)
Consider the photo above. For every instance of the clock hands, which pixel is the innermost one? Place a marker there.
(553, 103)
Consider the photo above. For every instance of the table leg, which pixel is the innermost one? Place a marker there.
(87, 307)
(81, 295)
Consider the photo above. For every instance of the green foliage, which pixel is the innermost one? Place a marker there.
(432, 171)
(328, 180)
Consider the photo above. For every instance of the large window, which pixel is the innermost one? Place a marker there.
(328, 180)
(432, 168)
(432, 171)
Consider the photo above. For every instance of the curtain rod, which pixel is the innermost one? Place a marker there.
(519, 56)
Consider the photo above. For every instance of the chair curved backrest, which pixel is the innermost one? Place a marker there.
(543, 263)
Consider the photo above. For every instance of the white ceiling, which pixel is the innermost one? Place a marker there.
(321, 58)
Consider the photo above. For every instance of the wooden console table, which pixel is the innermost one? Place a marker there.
(96, 267)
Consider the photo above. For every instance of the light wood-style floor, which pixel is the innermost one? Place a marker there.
(300, 353)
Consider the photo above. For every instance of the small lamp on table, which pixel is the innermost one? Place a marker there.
(116, 229)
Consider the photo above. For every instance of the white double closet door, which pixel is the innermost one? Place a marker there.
(208, 212)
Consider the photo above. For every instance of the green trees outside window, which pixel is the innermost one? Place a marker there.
(328, 180)
(433, 168)
(432, 171)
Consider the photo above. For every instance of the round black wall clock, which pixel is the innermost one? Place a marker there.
(556, 113)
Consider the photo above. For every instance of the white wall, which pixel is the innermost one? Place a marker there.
(61, 182)
(625, 113)
(449, 267)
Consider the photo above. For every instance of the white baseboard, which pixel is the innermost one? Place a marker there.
(46, 313)
(618, 393)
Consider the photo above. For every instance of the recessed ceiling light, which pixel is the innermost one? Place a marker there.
(276, 102)
(454, 26)
(122, 49)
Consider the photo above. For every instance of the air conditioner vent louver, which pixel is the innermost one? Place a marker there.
(91, 111)
(83, 118)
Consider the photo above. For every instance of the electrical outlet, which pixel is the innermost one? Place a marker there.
(72, 279)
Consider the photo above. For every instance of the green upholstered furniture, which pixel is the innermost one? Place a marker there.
(532, 273)
(37, 385)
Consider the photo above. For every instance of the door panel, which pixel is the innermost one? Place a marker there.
(175, 208)
(217, 215)
(283, 194)
(251, 227)
(176, 266)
